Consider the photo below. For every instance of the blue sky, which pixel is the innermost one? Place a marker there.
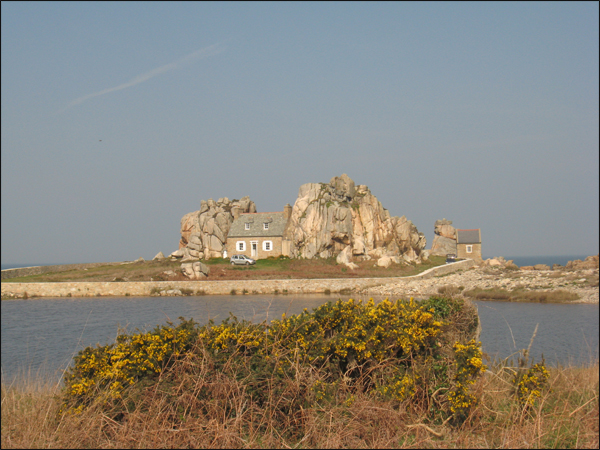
(118, 118)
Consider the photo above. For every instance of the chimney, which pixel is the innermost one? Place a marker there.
(235, 212)
(287, 212)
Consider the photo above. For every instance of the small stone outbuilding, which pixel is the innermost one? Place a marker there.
(259, 235)
(468, 244)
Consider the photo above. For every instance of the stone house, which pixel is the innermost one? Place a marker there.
(259, 235)
(468, 244)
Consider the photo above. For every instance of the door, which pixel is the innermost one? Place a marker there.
(253, 249)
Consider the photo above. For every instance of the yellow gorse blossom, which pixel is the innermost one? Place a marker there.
(469, 366)
(530, 384)
(380, 344)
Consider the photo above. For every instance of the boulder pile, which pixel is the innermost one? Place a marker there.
(347, 221)
(338, 219)
(591, 262)
(444, 241)
(204, 232)
(500, 262)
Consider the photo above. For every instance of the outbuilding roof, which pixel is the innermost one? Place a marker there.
(256, 228)
(468, 236)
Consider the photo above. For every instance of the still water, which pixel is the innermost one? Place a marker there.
(42, 335)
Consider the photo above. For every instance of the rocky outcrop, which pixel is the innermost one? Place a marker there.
(159, 256)
(444, 241)
(204, 232)
(591, 262)
(346, 221)
(500, 262)
(195, 270)
(584, 283)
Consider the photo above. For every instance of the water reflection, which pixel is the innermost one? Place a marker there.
(47, 333)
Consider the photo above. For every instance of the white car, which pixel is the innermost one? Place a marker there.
(241, 259)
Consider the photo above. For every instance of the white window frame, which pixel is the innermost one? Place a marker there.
(269, 244)
(469, 249)
(240, 246)
(247, 225)
(266, 225)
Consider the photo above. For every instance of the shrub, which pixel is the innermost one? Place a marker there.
(448, 290)
(186, 291)
(529, 384)
(399, 351)
(469, 366)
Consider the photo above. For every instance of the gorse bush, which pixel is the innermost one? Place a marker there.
(420, 355)
(469, 366)
(529, 384)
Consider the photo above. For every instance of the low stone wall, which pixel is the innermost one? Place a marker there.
(147, 288)
(38, 270)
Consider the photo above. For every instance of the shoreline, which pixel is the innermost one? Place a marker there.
(462, 275)
(209, 287)
(575, 282)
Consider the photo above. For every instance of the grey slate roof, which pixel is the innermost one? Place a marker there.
(275, 220)
(468, 236)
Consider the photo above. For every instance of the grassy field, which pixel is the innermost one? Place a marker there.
(221, 269)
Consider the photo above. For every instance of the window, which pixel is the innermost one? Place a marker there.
(267, 246)
(266, 225)
(247, 225)
(240, 246)
(469, 249)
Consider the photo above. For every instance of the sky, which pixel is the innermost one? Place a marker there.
(118, 118)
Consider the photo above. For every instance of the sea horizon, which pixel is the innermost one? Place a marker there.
(518, 260)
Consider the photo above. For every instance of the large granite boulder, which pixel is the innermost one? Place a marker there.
(340, 217)
(204, 232)
(195, 270)
(444, 241)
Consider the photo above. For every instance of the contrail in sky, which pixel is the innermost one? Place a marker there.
(205, 52)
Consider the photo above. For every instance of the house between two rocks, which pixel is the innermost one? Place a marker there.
(259, 235)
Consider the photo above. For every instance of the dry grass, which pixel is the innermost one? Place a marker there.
(220, 269)
(566, 416)
(522, 295)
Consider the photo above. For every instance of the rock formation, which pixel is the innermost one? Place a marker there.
(500, 262)
(591, 262)
(347, 221)
(444, 241)
(195, 270)
(204, 232)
